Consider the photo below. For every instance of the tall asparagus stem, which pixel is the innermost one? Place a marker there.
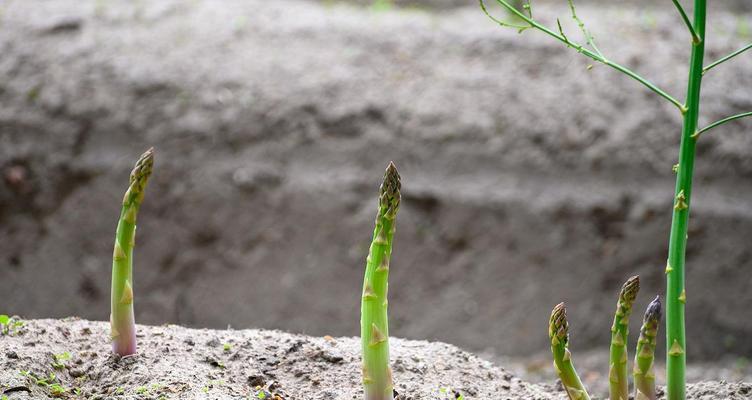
(675, 293)
(122, 321)
(644, 376)
(558, 332)
(374, 324)
(617, 374)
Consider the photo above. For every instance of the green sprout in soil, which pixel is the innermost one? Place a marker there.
(213, 383)
(50, 383)
(10, 325)
(617, 376)
(449, 393)
(689, 112)
(57, 390)
(374, 330)
(644, 374)
(558, 332)
(59, 360)
(122, 320)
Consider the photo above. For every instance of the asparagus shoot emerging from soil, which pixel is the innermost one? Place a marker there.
(617, 374)
(122, 321)
(374, 326)
(558, 332)
(644, 376)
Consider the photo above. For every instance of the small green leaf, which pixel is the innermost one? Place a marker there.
(4, 319)
(57, 390)
(381, 5)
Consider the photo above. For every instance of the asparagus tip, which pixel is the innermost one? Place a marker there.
(389, 198)
(630, 289)
(558, 326)
(141, 171)
(653, 312)
(391, 166)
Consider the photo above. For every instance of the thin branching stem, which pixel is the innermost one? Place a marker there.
(721, 122)
(596, 56)
(695, 37)
(728, 57)
(529, 8)
(500, 22)
(588, 36)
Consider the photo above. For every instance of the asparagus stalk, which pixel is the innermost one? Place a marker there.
(644, 376)
(617, 375)
(122, 321)
(558, 332)
(374, 326)
(676, 357)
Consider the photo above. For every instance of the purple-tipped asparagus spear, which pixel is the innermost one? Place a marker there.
(644, 376)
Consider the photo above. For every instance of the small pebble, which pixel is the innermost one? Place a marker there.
(76, 373)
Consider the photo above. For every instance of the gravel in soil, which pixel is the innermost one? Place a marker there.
(71, 358)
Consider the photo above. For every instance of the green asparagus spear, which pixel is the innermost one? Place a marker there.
(617, 375)
(122, 321)
(558, 332)
(374, 330)
(644, 377)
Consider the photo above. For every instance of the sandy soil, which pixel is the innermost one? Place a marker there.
(72, 358)
(527, 179)
(593, 368)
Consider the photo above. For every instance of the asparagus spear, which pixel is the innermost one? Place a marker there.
(374, 330)
(644, 377)
(617, 375)
(122, 321)
(558, 332)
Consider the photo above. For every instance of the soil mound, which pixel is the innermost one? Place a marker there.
(71, 358)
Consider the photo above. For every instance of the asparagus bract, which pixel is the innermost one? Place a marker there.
(617, 375)
(558, 332)
(374, 324)
(122, 321)
(644, 376)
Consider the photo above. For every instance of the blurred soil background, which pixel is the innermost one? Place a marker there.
(528, 178)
